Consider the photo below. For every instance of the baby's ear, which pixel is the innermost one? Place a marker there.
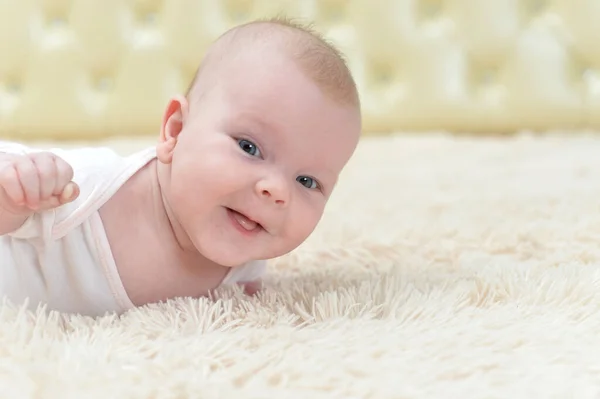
(172, 124)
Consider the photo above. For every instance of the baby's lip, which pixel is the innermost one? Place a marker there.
(250, 218)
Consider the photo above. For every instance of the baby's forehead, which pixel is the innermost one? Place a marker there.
(322, 63)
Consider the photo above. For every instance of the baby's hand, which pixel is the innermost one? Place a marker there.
(35, 182)
(251, 288)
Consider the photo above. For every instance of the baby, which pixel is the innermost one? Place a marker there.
(241, 173)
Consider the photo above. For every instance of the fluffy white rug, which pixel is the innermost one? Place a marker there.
(443, 267)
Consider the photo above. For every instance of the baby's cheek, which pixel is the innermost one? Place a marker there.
(305, 223)
(218, 170)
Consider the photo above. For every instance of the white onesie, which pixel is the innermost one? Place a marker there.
(62, 257)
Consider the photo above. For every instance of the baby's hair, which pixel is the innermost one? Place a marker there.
(319, 59)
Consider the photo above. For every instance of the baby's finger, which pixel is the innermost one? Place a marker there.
(9, 181)
(66, 189)
(30, 181)
(47, 173)
(64, 173)
(70, 193)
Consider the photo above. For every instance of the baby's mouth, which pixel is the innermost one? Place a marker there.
(244, 221)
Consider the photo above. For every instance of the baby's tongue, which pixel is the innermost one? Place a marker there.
(244, 221)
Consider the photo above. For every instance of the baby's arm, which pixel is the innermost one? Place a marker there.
(31, 183)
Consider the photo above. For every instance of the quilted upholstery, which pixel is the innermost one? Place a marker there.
(89, 68)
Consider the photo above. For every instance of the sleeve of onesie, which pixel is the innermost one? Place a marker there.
(38, 225)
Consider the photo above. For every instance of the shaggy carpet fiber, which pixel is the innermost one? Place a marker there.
(443, 268)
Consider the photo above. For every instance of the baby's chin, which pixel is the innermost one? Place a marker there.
(232, 254)
(228, 258)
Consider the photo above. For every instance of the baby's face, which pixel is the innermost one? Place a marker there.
(256, 162)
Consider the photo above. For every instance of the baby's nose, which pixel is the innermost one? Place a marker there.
(274, 190)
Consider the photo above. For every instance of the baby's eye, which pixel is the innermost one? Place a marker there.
(249, 147)
(307, 182)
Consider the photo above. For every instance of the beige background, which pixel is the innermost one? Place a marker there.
(87, 69)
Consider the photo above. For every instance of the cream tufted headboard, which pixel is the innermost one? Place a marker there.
(95, 68)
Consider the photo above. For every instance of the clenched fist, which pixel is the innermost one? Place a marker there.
(35, 182)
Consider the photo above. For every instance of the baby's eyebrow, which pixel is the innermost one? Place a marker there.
(256, 120)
